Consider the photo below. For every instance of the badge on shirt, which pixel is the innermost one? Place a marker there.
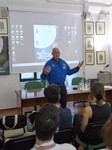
(64, 66)
(53, 65)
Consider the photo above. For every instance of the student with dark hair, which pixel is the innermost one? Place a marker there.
(52, 94)
(99, 110)
(46, 125)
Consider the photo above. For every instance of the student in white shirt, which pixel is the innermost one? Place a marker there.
(46, 125)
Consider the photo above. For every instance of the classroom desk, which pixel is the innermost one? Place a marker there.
(36, 97)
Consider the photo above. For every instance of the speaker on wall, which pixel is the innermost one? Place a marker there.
(87, 15)
(4, 12)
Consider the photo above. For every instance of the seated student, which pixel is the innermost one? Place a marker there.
(106, 133)
(30, 126)
(52, 94)
(46, 125)
(99, 110)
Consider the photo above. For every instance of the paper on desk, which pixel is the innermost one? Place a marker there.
(108, 87)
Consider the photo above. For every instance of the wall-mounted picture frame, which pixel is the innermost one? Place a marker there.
(89, 28)
(89, 43)
(3, 26)
(100, 28)
(101, 57)
(4, 56)
(89, 58)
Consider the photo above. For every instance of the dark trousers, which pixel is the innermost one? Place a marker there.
(63, 93)
(77, 123)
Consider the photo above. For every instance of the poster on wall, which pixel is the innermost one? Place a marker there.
(4, 56)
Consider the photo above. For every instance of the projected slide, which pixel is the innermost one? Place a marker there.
(33, 38)
(44, 36)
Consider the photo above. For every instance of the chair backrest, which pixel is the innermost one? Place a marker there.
(94, 80)
(32, 116)
(21, 143)
(76, 80)
(65, 135)
(44, 82)
(13, 126)
(92, 132)
(33, 85)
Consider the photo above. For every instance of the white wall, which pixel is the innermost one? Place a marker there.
(103, 42)
(110, 40)
(10, 83)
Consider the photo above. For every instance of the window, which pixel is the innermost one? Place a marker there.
(29, 76)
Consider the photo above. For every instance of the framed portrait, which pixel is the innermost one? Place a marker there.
(3, 26)
(89, 28)
(89, 43)
(101, 57)
(89, 57)
(100, 28)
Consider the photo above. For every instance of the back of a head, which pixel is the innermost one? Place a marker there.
(97, 90)
(46, 122)
(52, 92)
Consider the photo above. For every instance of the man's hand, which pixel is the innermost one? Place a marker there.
(47, 70)
(80, 64)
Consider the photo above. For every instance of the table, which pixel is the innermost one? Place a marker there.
(36, 97)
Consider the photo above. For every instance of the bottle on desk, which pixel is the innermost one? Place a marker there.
(88, 83)
(82, 83)
(86, 86)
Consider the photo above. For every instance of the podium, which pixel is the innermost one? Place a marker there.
(105, 78)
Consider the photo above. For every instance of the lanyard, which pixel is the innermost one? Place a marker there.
(45, 144)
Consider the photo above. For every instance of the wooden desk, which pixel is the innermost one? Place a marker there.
(36, 96)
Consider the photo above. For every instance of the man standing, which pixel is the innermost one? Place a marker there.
(55, 71)
(46, 125)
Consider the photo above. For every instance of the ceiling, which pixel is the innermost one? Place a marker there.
(93, 6)
(108, 2)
